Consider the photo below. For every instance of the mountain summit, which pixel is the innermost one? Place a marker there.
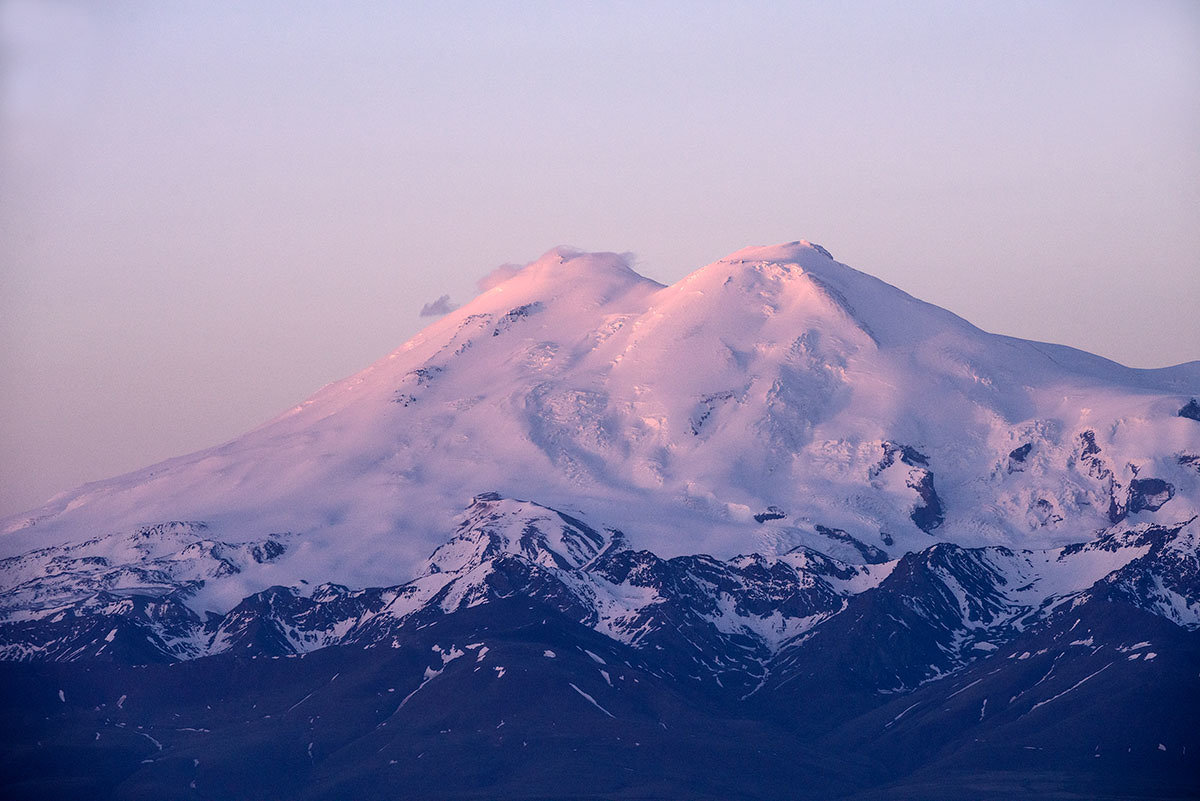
(764, 399)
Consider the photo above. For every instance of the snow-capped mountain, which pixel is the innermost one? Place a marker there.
(760, 403)
(778, 497)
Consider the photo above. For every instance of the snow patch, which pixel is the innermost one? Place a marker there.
(591, 700)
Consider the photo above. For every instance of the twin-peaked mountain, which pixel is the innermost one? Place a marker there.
(779, 497)
(772, 399)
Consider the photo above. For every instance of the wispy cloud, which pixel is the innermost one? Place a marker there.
(438, 307)
(498, 276)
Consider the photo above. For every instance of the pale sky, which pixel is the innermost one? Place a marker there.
(210, 209)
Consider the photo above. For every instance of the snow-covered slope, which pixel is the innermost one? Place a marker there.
(771, 400)
(728, 622)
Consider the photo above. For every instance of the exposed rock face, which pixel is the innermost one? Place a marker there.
(1149, 493)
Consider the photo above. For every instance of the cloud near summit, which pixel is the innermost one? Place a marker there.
(498, 276)
(438, 308)
(504, 272)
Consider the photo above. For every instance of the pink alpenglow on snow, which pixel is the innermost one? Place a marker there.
(772, 399)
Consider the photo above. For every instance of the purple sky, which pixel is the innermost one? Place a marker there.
(208, 210)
